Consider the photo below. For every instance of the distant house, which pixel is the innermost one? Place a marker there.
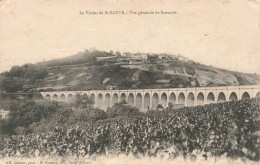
(202, 82)
(181, 58)
(163, 81)
(105, 58)
(112, 86)
(168, 71)
(51, 74)
(161, 56)
(135, 62)
(122, 58)
(136, 75)
(105, 80)
(193, 83)
(3, 114)
(144, 56)
(28, 87)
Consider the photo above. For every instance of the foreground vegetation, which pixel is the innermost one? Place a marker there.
(228, 129)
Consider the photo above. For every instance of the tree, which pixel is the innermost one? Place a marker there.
(83, 102)
(16, 71)
(118, 53)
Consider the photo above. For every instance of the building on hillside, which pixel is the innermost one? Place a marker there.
(3, 114)
(136, 75)
(163, 81)
(112, 86)
(135, 62)
(105, 58)
(162, 56)
(169, 71)
(106, 80)
(122, 59)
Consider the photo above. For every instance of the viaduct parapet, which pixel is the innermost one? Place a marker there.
(145, 99)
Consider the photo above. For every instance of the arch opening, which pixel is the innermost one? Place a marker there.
(147, 101)
(70, 98)
(92, 96)
(100, 100)
(190, 100)
(48, 97)
(221, 97)
(139, 101)
(123, 97)
(200, 99)
(245, 96)
(155, 101)
(114, 99)
(233, 96)
(107, 101)
(258, 95)
(55, 97)
(172, 98)
(164, 100)
(181, 99)
(210, 98)
(131, 99)
(62, 97)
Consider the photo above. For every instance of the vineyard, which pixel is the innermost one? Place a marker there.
(229, 130)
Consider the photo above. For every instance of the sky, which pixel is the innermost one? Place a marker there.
(222, 33)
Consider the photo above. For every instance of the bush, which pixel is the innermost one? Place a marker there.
(121, 109)
(25, 113)
(96, 114)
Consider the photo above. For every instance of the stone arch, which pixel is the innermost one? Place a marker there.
(164, 99)
(233, 96)
(100, 100)
(55, 97)
(62, 97)
(107, 101)
(70, 97)
(155, 101)
(257, 95)
(221, 97)
(139, 101)
(147, 101)
(131, 99)
(48, 97)
(210, 98)
(123, 97)
(200, 99)
(114, 99)
(181, 99)
(190, 100)
(172, 98)
(245, 96)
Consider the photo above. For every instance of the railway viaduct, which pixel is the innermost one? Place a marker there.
(150, 98)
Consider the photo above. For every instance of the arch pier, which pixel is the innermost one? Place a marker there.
(145, 99)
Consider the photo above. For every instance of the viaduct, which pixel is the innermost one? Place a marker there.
(150, 98)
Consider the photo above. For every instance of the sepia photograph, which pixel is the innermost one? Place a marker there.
(127, 82)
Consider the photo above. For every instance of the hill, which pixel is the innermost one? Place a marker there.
(108, 70)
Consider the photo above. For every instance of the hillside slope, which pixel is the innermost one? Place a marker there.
(108, 70)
